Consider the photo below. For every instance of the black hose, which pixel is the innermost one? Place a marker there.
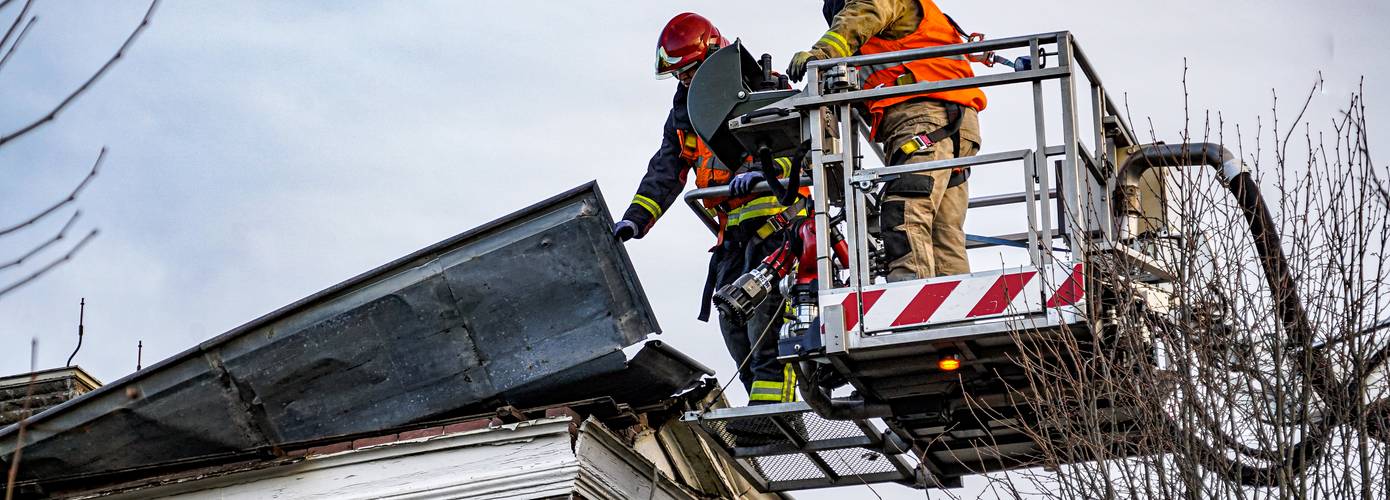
(1276, 270)
(1247, 194)
(770, 173)
(831, 408)
(786, 194)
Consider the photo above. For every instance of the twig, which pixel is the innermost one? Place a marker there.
(18, 19)
(857, 475)
(1284, 145)
(34, 251)
(53, 113)
(17, 40)
(66, 257)
(24, 418)
(72, 196)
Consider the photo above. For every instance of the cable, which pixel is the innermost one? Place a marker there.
(746, 359)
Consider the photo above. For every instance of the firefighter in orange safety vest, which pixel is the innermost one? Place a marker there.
(923, 214)
(743, 235)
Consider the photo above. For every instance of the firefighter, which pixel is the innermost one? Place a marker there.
(685, 43)
(923, 214)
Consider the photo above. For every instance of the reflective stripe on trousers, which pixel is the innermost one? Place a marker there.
(775, 391)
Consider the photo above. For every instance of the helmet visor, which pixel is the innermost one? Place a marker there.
(673, 71)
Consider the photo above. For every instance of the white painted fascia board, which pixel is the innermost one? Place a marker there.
(491, 463)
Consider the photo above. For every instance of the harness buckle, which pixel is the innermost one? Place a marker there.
(917, 143)
(782, 220)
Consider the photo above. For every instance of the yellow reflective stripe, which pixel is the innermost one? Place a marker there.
(837, 42)
(651, 205)
(691, 141)
(761, 212)
(786, 164)
(766, 390)
(788, 383)
(758, 207)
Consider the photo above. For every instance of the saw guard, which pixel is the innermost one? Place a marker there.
(720, 91)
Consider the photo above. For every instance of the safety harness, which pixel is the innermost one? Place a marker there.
(773, 225)
(924, 142)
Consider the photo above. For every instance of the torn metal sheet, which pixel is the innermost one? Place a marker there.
(654, 373)
(461, 323)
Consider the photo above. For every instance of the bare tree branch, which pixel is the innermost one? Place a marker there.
(72, 196)
(17, 20)
(53, 113)
(51, 265)
(1217, 396)
(24, 418)
(17, 40)
(42, 246)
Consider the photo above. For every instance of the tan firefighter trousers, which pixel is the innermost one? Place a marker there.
(923, 223)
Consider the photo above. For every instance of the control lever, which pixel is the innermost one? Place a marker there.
(770, 79)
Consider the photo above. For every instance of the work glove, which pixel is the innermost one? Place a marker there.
(624, 230)
(743, 183)
(797, 69)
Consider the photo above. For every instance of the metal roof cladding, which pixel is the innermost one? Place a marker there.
(545, 293)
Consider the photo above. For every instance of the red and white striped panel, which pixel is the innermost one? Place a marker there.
(950, 299)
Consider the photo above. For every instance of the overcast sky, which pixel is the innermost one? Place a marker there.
(262, 151)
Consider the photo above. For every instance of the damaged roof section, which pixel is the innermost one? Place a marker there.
(529, 307)
(594, 449)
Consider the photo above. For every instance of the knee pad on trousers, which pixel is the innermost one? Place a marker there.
(892, 215)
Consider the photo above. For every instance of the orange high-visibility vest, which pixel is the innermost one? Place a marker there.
(933, 30)
(709, 171)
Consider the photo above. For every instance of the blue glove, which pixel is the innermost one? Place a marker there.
(743, 183)
(624, 230)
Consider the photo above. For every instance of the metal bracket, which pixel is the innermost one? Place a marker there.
(833, 327)
(841, 78)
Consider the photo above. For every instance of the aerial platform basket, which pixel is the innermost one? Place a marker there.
(929, 426)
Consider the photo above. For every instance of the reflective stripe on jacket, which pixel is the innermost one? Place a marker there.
(709, 172)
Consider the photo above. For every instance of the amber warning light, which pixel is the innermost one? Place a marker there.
(949, 363)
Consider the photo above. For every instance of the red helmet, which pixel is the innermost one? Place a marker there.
(685, 42)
